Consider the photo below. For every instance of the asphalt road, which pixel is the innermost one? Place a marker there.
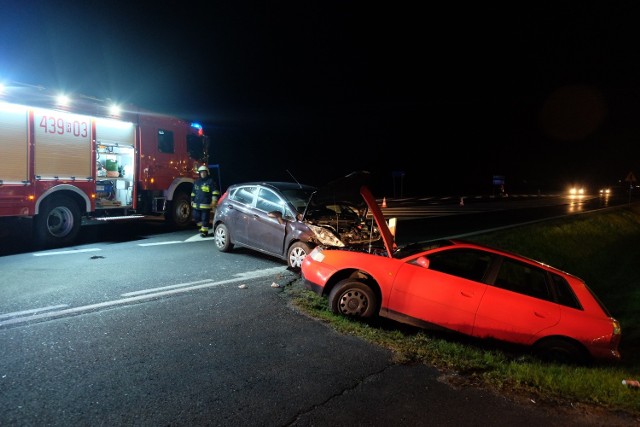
(215, 355)
(158, 328)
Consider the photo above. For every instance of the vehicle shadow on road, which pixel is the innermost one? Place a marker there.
(16, 234)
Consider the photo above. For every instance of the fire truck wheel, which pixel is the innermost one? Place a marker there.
(179, 213)
(58, 222)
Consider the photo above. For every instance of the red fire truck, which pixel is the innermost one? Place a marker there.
(62, 164)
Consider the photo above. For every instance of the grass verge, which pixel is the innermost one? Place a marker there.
(603, 248)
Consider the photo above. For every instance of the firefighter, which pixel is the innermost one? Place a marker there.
(204, 198)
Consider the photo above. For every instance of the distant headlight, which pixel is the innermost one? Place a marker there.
(576, 191)
(605, 191)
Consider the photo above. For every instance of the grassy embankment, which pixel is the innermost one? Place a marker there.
(602, 248)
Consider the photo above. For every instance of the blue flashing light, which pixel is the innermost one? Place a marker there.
(199, 127)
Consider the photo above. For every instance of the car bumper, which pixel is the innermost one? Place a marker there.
(606, 354)
(315, 274)
(313, 287)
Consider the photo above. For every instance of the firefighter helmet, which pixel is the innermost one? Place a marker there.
(203, 168)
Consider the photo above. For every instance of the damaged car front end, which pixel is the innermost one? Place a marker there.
(287, 220)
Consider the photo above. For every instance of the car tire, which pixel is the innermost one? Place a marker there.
(297, 252)
(352, 298)
(222, 238)
(560, 350)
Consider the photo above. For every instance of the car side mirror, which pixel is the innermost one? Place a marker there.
(277, 215)
(423, 261)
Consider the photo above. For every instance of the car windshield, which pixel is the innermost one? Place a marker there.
(415, 248)
(298, 197)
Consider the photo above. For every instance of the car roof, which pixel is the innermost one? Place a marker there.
(346, 188)
(512, 254)
(280, 185)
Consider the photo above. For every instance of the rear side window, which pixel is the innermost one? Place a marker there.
(524, 279)
(564, 293)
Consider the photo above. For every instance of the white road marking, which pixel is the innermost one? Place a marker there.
(171, 242)
(240, 276)
(34, 310)
(73, 251)
(141, 296)
(195, 238)
(163, 288)
(198, 238)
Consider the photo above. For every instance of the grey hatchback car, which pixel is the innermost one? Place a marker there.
(287, 220)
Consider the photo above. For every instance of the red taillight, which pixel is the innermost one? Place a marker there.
(616, 328)
(224, 195)
(616, 337)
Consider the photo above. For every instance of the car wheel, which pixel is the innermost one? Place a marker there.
(296, 254)
(222, 238)
(353, 298)
(560, 350)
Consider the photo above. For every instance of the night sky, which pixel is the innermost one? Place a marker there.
(444, 96)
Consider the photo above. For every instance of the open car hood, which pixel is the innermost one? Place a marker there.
(389, 242)
(345, 189)
(351, 190)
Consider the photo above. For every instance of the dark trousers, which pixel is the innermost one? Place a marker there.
(202, 216)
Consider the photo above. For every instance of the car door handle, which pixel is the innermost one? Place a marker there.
(466, 294)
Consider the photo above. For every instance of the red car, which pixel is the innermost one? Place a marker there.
(473, 289)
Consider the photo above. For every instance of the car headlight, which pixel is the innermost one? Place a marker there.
(316, 254)
(325, 237)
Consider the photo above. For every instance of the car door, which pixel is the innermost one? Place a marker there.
(240, 213)
(446, 293)
(267, 232)
(517, 306)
